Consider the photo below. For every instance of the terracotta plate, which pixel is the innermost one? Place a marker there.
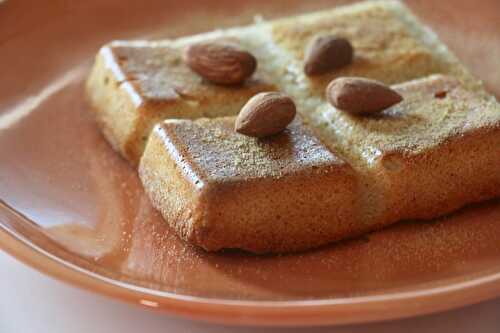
(70, 207)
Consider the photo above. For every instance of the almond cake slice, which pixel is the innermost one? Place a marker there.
(221, 189)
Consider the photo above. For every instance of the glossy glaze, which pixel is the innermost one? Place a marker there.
(83, 217)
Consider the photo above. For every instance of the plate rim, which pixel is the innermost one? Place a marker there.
(335, 311)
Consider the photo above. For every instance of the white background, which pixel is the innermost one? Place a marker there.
(31, 302)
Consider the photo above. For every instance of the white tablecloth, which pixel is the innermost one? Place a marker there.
(31, 302)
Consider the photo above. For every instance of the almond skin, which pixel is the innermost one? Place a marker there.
(360, 95)
(327, 53)
(220, 63)
(265, 114)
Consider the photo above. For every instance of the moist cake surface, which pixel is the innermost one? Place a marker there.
(212, 151)
(158, 74)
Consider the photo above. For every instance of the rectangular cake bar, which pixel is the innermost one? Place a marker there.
(220, 189)
(428, 155)
(134, 85)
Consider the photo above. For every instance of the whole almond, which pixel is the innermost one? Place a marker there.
(327, 53)
(361, 96)
(220, 63)
(265, 114)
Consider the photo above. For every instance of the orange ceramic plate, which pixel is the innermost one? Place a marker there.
(72, 208)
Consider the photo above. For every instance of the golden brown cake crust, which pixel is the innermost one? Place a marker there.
(274, 194)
